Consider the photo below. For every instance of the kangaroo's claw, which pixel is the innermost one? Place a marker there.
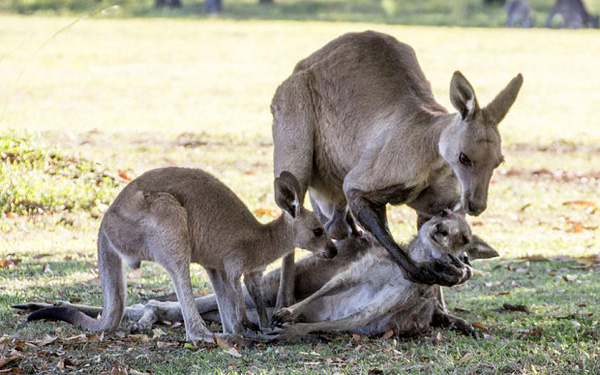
(281, 316)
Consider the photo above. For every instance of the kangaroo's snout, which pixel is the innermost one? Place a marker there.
(475, 209)
(330, 251)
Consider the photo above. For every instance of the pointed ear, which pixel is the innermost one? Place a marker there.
(462, 96)
(499, 107)
(479, 249)
(287, 193)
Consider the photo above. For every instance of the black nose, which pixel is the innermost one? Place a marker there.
(332, 251)
(472, 207)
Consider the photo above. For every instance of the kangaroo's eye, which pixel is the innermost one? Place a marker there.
(444, 232)
(318, 232)
(464, 160)
(465, 240)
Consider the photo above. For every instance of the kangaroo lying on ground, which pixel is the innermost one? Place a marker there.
(357, 123)
(371, 296)
(314, 273)
(175, 216)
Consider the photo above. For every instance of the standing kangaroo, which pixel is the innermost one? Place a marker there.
(371, 296)
(518, 12)
(573, 13)
(175, 216)
(313, 273)
(358, 125)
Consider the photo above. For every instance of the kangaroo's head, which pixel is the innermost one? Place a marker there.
(308, 232)
(449, 233)
(471, 145)
(446, 233)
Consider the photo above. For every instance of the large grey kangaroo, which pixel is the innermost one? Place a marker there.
(175, 216)
(358, 125)
(313, 273)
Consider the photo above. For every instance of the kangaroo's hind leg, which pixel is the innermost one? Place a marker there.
(168, 243)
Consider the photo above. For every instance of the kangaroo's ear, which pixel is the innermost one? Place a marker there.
(498, 108)
(479, 249)
(287, 193)
(462, 96)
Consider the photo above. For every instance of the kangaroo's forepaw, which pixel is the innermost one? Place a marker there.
(282, 316)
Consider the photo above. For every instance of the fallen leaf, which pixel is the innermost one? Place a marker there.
(9, 263)
(136, 274)
(138, 338)
(509, 307)
(157, 333)
(47, 268)
(357, 337)
(266, 211)
(503, 293)
(479, 326)
(437, 338)
(580, 203)
(13, 358)
(136, 372)
(232, 351)
(118, 369)
(221, 343)
(125, 175)
(388, 334)
(575, 228)
(466, 357)
(43, 342)
(40, 256)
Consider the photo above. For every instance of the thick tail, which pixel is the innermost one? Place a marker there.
(114, 291)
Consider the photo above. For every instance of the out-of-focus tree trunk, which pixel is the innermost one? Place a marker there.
(213, 6)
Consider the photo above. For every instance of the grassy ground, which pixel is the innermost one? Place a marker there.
(108, 99)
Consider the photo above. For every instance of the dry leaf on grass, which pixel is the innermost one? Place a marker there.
(580, 203)
(12, 359)
(466, 357)
(135, 274)
(517, 308)
(479, 326)
(9, 263)
(233, 352)
(266, 211)
(388, 334)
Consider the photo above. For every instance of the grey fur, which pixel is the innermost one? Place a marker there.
(175, 216)
(358, 125)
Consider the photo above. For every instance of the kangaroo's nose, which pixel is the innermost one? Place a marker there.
(332, 251)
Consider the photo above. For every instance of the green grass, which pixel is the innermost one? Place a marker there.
(129, 94)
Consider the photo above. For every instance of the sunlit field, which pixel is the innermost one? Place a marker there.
(128, 95)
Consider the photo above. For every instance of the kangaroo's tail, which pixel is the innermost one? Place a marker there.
(114, 292)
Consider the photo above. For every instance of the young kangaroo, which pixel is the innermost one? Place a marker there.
(371, 296)
(359, 126)
(175, 216)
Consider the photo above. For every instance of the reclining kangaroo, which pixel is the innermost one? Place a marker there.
(175, 216)
(312, 274)
(358, 125)
(371, 295)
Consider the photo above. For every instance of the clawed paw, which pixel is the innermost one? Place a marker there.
(281, 316)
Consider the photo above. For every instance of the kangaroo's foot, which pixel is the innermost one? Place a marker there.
(445, 320)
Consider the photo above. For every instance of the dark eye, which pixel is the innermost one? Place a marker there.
(465, 240)
(318, 232)
(464, 160)
(444, 232)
